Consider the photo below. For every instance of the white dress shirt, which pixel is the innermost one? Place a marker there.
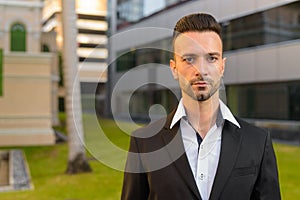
(204, 162)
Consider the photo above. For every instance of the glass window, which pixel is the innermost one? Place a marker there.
(132, 11)
(270, 26)
(45, 48)
(126, 61)
(17, 37)
(142, 56)
(265, 101)
(61, 104)
(156, 52)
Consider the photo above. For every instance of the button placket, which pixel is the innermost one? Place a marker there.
(202, 172)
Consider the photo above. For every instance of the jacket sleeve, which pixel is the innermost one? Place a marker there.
(267, 184)
(135, 184)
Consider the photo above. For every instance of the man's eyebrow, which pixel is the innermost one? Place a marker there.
(197, 55)
(189, 54)
(214, 54)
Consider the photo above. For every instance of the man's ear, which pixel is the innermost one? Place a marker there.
(173, 69)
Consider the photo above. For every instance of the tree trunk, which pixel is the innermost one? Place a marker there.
(77, 161)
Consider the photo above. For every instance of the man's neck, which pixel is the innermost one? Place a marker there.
(201, 115)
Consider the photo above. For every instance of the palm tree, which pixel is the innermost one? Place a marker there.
(77, 161)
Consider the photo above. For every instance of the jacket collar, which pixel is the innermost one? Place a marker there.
(230, 147)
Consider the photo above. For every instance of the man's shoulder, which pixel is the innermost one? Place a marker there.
(250, 128)
(151, 129)
(156, 126)
(151, 137)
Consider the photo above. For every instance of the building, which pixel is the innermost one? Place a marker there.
(261, 42)
(92, 46)
(29, 81)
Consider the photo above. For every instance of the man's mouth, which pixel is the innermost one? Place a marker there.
(200, 83)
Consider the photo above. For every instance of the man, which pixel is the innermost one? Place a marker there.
(200, 151)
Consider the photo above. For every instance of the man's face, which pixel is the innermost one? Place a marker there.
(198, 64)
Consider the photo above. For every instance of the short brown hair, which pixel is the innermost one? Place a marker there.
(200, 22)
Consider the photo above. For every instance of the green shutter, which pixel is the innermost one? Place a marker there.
(18, 38)
(1, 72)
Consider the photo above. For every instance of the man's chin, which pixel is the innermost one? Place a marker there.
(198, 95)
(202, 97)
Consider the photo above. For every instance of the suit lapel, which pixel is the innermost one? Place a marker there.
(229, 151)
(174, 145)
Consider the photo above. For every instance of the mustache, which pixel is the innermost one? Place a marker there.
(205, 79)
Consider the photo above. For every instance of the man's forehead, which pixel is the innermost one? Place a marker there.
(197, 34)
(197, 42)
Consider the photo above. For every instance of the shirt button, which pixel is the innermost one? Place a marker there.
(201, 177)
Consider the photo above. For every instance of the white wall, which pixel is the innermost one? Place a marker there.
(270, 63)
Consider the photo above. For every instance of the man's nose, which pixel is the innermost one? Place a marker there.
(201, 67)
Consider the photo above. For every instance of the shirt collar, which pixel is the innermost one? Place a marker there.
(225, 114)
(180, 113)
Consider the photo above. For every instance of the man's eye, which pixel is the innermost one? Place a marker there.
(188, 59)
(212, 59)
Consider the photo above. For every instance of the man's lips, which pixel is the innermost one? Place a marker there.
(200, 83)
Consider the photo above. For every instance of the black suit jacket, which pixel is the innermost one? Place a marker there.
(158, 169)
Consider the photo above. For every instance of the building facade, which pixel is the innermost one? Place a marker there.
(261, 42)
(28, 98)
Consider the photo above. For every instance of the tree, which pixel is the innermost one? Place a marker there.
(77, 161)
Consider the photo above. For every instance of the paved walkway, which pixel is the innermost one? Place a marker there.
(14, 172)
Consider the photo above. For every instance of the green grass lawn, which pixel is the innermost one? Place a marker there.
(289, 170)
(48, 164)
